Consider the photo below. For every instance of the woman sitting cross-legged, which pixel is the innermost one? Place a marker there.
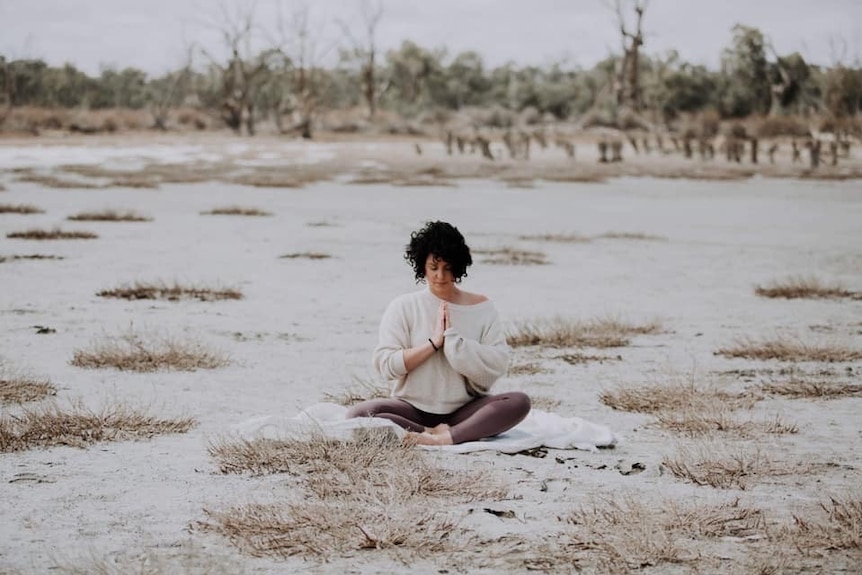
(444, 348)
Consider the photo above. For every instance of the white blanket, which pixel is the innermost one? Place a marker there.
(539, 429)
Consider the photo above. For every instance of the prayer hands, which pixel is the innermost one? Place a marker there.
(441, 324)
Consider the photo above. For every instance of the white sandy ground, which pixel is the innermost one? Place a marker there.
(305, 328)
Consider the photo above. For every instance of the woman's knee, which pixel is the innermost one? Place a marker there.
(368, 408)
(519, 402)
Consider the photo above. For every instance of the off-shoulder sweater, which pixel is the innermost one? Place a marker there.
(474, 355)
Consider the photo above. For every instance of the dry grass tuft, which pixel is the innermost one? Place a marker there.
(623, 535)
(362, 498)
(560, 238)
(110, 216)
(801, 287)
(674, 396)
(147, 353)
(16, 388)
(838, 526)
(529, 368)
(236, 211)
(509, 256)
(54, 234)
(20, 209)
(544, 403)
(170, 292)
(805, 389)
(306, 255)
(637, 236)
(560, 332)
(361, 390)
(77, 426)
(29, 257)
(51, 181)
(719, 466)
(787, 348)
(578, 358)
(322, 530)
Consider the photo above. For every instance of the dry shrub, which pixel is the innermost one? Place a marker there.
(805, 389)
(20, 209)
(361, 390)
(509, 256)
(146, 353)
(561, 332)
(544, 403)
(305, 255)
(110, 216)
(77, 426)
(53, 234)
(774, 126)
(789, 348)
(170, 292)
(321, 530)
(578, 358)
(800, 287)
(720, 419)
(18, 388)
(625, 534)
(560, 238)
(723, 467)
(236, 211)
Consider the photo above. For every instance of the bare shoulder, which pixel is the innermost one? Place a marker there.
(469, 298)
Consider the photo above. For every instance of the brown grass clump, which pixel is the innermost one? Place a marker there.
(805, 389)
(544, 403)
(838, 526)
(50, 181)
(726, 468)
(637, 236)
(361, 498)
(674, 396)
(20, 209)
(236, 211)
(16, 388)
(77, 426)
(322, 530)
(509, 256)
(170, 292)
(361, 390)
(800, 287)
(54, 234)
(146, 353)
(529, 368)
(560, 332)
(29, 257)
(110, 216)
(623, 535)
(305, 255)
(560, 238)
(787, 348)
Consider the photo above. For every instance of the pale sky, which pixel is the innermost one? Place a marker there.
(151, 34)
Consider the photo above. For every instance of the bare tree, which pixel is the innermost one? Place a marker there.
(364, 49)
(167, 92)
(628, 74)
(245, 71)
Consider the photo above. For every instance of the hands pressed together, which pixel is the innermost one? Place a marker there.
(441, 324)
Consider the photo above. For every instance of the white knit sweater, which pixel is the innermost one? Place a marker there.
(475, 353)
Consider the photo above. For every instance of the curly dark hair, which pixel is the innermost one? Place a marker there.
(445, 242)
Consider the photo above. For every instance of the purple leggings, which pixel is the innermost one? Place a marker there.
(482, 417)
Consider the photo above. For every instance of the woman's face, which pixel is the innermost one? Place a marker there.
(438, 273)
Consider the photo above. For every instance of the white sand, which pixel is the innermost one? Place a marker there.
(307, 327)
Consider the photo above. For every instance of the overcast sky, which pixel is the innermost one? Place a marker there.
(151, 34)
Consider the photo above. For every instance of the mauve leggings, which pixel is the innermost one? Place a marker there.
(483, 417)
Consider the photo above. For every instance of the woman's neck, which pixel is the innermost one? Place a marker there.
(449, 293)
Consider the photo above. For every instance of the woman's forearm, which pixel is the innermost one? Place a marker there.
(416, 356)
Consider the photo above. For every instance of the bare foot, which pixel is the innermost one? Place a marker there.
(438, 429)
(425, 438)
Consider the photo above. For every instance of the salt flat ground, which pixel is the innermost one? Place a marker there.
(305, 328)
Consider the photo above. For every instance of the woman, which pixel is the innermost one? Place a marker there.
(444, 347)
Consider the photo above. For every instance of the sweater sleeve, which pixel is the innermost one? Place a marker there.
(481, 362)
(394, 338)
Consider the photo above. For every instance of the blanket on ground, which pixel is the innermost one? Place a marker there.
(539, 429)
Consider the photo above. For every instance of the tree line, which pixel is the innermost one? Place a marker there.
(286, 84)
